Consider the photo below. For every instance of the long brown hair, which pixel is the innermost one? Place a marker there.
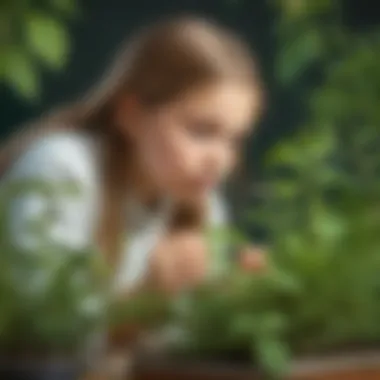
(156, 66)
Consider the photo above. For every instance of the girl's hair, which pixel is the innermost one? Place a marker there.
(156, 66)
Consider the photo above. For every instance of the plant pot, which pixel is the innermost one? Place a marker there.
(40, 369)
(355, 366)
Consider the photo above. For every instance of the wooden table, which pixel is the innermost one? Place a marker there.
(362, 366)
(116, 366)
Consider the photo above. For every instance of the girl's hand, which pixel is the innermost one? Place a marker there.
(179, 262)
(252, 259)
(176, 264)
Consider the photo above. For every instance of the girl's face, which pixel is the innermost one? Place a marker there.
(187, 147)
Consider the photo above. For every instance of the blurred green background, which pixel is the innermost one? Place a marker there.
(311, 185)
(53, 50)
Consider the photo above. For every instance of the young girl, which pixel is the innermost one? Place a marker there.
(148, 149)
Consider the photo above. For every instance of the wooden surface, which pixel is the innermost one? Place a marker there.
(240, 375)
(116, 366)
(344, 375)
(94, 376)
(364, 366)
(360, 366)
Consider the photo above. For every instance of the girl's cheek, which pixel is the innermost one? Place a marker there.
(230, 166)
(170, 163)
(183, 152)
(162, 150)
(173, 156)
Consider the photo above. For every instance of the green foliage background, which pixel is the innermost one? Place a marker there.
(321, 206)
(52, 296)
(34, 36)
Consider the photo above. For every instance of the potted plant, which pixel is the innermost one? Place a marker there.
(312, 315)
(52, 298)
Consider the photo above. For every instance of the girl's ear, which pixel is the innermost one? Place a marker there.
(127, 113)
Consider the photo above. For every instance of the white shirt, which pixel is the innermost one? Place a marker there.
(68, 156)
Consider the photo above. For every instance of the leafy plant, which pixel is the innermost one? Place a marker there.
(33, 34)
(52, 297)
(321, 291)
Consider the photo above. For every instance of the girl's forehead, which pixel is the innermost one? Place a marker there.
(226, 103)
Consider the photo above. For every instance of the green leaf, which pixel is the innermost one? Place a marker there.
(294, 9)
(274, 357)
(70, 189)
(49, 189)
(287, 188)
(3, 65)
(297, 55)
(244, 324)
(68, 7)
(305, 150)
(21, 74)
(286, 153)
(271, 323)
(326, 224)
(318, 143)
(48, 39)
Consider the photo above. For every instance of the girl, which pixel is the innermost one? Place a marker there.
(148, 148)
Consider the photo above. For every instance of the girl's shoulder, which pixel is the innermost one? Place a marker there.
(58, 159)
(56, 155)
